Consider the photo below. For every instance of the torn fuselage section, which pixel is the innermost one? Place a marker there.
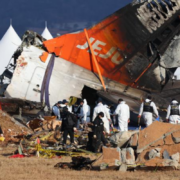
(129, 55)
(128, 45)
(150, 28)
(25, 75)
(171, 57)
(28, 39)
(160, 52)
(153, 14)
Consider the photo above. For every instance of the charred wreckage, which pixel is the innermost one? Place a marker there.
(137, 49)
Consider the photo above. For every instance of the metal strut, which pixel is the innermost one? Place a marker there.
(147, 68)
(95, 61)
(141, 74)
(46, 81)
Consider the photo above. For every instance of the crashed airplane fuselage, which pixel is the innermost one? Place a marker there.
(136, 49)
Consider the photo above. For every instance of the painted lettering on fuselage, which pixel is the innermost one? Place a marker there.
(97, 46)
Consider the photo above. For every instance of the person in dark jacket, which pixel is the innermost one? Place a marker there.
(98, 132)
(69, 124)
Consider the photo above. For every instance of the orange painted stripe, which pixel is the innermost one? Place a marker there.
(95, 61)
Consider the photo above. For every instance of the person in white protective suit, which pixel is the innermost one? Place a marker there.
(109, 122)
(147, 109)
(123, 113)
(173, 112)
(84, 112)
(106, 119)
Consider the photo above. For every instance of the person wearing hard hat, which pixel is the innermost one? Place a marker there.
(147, 109)
(173, 112)
(123, 113)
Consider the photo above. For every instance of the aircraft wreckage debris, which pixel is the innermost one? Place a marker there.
(155, 146)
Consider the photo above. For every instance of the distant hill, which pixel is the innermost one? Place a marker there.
(62, 15)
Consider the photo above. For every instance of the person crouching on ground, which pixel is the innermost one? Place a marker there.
(69, 124)
(98, 132)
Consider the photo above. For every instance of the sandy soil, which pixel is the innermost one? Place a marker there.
(41, 169)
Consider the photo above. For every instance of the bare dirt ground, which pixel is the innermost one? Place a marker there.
(33, 168)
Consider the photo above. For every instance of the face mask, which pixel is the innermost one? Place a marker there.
(63, 105)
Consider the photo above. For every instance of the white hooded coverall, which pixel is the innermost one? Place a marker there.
(148, 116)
(107, 122)
(85, 112)
(101, 108)
(123, 113)
(173, 119)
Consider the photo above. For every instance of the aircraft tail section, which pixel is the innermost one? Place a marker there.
(127, 44)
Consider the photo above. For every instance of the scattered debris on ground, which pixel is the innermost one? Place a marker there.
(12, 129)
(157, 146)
